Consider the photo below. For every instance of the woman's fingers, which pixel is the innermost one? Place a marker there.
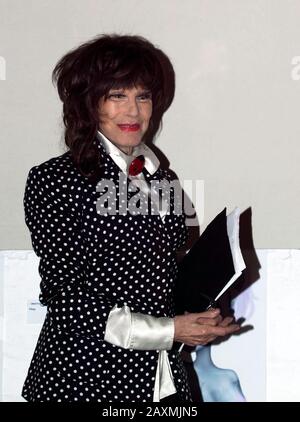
(210, 321)
(203, 327)
(205, 331)
(210, 313)
(226, 321)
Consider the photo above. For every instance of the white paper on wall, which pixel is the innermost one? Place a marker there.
(36, 312)
(283, 351)
(236, 353)
(20, 284)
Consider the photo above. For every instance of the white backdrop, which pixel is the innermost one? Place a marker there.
(234, 124)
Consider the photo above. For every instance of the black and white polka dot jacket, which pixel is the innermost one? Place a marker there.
(88, 263)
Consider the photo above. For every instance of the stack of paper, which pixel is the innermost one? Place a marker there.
(211, 266)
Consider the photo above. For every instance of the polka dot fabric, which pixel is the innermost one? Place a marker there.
(88, 263)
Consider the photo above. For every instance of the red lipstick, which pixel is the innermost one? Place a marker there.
(129, 128)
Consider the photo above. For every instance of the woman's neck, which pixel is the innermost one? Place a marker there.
(126, 150)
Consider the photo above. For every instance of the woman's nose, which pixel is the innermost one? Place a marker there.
(132, 107)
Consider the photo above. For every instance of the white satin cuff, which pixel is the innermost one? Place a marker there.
(144, 332)
(164, 384)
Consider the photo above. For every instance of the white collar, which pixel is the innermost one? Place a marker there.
(123, 160)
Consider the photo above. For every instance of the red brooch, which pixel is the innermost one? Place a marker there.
(137, 165)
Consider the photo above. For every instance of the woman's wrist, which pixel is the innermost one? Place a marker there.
(139, 331)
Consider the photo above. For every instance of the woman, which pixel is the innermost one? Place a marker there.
(108, 259)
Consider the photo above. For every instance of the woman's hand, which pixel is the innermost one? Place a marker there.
(202, 328)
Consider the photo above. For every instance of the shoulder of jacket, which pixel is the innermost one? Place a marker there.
(167, 174)
(58, 169)
(57, 178)
(54, 164)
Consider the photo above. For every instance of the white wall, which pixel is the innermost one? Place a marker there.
(283, 334)
(234, 124)
(234, 118)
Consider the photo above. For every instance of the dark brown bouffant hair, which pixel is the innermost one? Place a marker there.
(88, 72)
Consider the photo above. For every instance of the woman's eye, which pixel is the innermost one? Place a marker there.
(145, 97)
(116, 96)
(120, 96)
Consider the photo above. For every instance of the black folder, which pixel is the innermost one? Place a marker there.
(209, 266)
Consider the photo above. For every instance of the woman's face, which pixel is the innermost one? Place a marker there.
(124, 116)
